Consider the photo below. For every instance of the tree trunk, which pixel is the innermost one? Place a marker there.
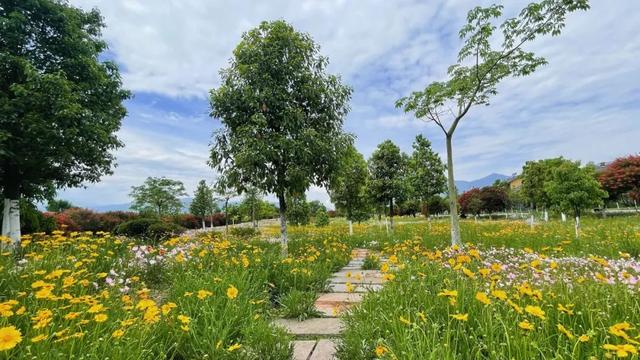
(283, 224)
(577, 227)
(11, 221)
(203, 224)
(253, 216)
(391, 214)
(350, 228)
(546, 215)
(211, 218)
(226, 216)
(453, 197)
(563, 216)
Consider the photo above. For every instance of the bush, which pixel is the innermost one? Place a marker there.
(188, 221)
(244, 232)
(322, 219)
(135, 228)
(371, 262)
(298, 304)
(161, 231)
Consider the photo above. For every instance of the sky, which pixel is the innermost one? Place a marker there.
(583, 105)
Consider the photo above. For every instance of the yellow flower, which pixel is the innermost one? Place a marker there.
(202, 294)
(448, 293)
(461, 317)
(535, 311)
(232, 292)
(499, 294)
(145, 304)
(404, 320)
(9, 337)
(349, 287)
(234, 347)
(564, 330)
(388, 277)
(621, 350)
(118, 333)
(184, 319)
(483, 298)
(96, 309)
(566, 309)
(584, 338)
(38, 338)
(526, 325)
(100, 318)
(166, 308)
(380, 350)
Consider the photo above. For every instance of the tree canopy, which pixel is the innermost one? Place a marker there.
(534, 176)
(348, 188)
(425, 170)
(387, 169)
(572, 188)
(158, 195)
(281, 114)
(202, 201)
(622, 177)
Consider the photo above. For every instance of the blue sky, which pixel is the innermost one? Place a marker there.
(584, 105)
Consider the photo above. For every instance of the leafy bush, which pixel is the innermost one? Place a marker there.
(188, 221)
(32, 220)
(244, 232)
(322, 219)
(135, 228)
(371, 262)
(160, 231)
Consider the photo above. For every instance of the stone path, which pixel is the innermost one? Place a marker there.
(316, 337)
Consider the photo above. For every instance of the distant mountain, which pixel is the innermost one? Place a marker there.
(463, 185)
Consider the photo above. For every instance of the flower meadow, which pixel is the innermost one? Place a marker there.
(512, 292)
(96, 296)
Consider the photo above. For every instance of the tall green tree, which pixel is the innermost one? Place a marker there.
(483, 62)
(58, 205)
(224, 190)
(160, 196)
(387, 170)
(251, 205)
(298, 210)
(425, 171)
(534, 176)
(282, 115)
(572, 188)
(60, 104)
(348, 188)
(202, 200)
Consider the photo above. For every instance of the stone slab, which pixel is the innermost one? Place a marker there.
(359, 288)
(339, 298)
(325, 350)
(364, 280)
(309, 327)
(361, 273)
(302, 349)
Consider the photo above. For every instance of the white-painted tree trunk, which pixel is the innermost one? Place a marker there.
(350, 228)
(11, 220)
(475, 218)
(546, 215)
(203, 225)
(386, 224)
(618, 204)
(564, 217)
(531, 221)
(577, 226)
(429, 223)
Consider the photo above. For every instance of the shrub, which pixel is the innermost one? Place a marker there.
(371, 262)
(135, 228)
(160, 231)
(188, 221)
(322, 219)
(298, 304)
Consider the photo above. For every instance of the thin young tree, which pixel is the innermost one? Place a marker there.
(387, 171)
(483, 62)
(281, 115)
(201, 203)
(224, 191)
(60, 103)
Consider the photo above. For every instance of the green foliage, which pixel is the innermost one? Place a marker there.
(322, 218)
(158, 195)
(244, 232)
(371, 262)
(574, 188)
(315, 206)
(534, 176)
(425, 175)
(281, 113)
(32, 220)
(54, 89)
(58, 205)
(298, 304)
(136, 227)
(298, 212)
(348, 188)
(160, 231)
(387, 169)
(201, 204)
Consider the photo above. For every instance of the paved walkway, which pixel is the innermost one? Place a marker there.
(316, 337)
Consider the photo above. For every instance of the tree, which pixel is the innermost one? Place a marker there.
(282, 115)
(534, 176)
(225, 192)
(158, 195)
(251, 205)
(58, 205)
(201, 203)
(481, 67)
(314, 206)
(348, 188)
(322, 218)
(426, 171)
(572, 188)
(470, 202)
(387, 169)
(60, 104)
(494, 198)
(298, 211)
(622, 177)
(435, 205)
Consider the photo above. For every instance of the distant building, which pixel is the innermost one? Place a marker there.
(515, 182)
